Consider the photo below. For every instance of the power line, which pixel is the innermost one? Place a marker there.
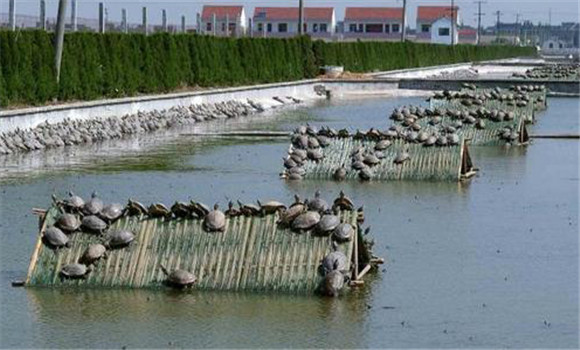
(479, 14)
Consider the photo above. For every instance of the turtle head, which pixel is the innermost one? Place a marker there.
(259, 203)
(94, 194)
(367, 230)
(230, 204)
(216, 206)
(70, 193)
(317, 194)
(296, 198)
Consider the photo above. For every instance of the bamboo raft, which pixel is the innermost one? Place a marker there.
(449, 163)
(252, 254)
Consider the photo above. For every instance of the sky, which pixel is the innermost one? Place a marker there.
(534, 10)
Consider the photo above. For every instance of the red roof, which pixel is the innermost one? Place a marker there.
(291, 13)
(467, 32)
(221, 12)
(373, 13)
(433, 13)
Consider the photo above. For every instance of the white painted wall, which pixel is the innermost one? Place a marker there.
(443, 24)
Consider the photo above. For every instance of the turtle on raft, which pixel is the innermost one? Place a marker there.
(74, 271)
(178, 278)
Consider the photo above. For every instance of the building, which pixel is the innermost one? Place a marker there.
(426, 18)
(467, 35)
(373, 22)
(229, 20)
(319, 22)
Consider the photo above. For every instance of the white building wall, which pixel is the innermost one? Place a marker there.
(443, 24)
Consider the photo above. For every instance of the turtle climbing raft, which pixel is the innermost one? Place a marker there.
(251, 253)
(380, 156)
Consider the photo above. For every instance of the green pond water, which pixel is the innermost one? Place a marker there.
(488, 263)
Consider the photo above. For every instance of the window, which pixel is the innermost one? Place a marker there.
(305, 27)
(560, 45)
(223, 27)
(282, 27)
(323, 28)
(269, 27)
(260, 27)
(208, 26)
(352, 28)
(360, 28)
(425, 28)
(443, 31)
(374, 28)
(315, 27)
(387, 28)
(232, 27)
(551, 45)
(395, 28)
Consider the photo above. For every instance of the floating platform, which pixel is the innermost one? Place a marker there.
(447, 163)
(252, 254)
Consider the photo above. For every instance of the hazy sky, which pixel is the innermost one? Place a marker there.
(534, 10)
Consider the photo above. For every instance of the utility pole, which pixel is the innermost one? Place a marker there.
(43, 14)
(198, 22)
(479, 14)
(300, 17)
(183, 23)
(73, 15)
(12, 14)
(164, 20)
(404, 21)
(124, 27)
(518, 25)
(453, 19)
(144, 19)
(101, 17)
(214, 24)
(498, 14)
(59, 37)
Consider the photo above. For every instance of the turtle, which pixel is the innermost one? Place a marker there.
(179, 278)
(271, 207)
(313, 142)
(402, 157)
(181, 209)
(315, 154)
(93, 253)
(296, 170)
(215, 220)
(68, 222)
(339, 174)
(453, 139)
(335, 260)
(327, 224)
(343, 233)
(300, 154)
(289, 162)
(371, 160)
(324, 141)
(74, 203)
(74, 271)
(55, 238)
(112, 212)
(135, 208)
(93, 223)
(382, 145)
(157, 210)
(333, 283)
(306, 221)
(318, 204)
(232, 211)
(358, 165)
(199, 209)
(93, 206)
(365, 173)
(288, 215)
(294, 177)
(300, 141)
(431, 140)
(342, 202)
(119, 238)
(442, 140)
(249, 209)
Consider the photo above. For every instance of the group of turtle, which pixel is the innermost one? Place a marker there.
(91, 217)
(553, 71)
(307, 144)
(76, 132)
(517, 95)
(335, 272)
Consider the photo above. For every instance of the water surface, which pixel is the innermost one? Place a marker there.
(489, 263)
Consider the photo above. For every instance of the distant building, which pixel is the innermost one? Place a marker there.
(373, 22)
(467, 35)
(427, 16)
(283, 21)
(230, 20)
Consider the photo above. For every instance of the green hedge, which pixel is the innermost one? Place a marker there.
(113, 65)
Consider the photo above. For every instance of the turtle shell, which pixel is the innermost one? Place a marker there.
(288, 215)
(332, 284)
(181, 278)
(74, 202)
(68, 222)
(135, 208)
(371, 160)
(93, 253)
(249, 209)
(93, 223)
(343, 232)
(200, 209)
(181, 209)
(112, 212)
(343, 202)
(74, 270)
(306, 221)
(54, 237)
(318, 204)
(271, 207)
(93, 206)
(158, 210)
(335, 260)
(339, 174)
(215, 220)
(365, 174)
(120, 238)
(382, 145)
(315, 154)
(327, 223)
